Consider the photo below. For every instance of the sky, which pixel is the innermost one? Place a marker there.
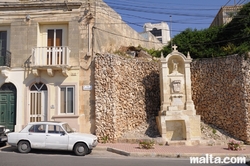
(178, 14)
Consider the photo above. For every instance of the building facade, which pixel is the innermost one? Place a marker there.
(47, 50)
(161, 31)
(225, 15)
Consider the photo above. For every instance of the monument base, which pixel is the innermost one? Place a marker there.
(179, 128)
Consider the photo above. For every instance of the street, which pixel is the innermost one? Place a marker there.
(10, 157)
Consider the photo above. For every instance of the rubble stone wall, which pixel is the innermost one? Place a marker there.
(220, 89)
(127, 94)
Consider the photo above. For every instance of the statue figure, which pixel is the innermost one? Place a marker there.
(175, 67)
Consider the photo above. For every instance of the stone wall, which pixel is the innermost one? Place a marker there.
(221, 93)
(127, 94)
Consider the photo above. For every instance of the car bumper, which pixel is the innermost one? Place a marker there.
(94, 144)
(3, 139)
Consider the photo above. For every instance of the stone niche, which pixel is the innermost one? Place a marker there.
(177, 119)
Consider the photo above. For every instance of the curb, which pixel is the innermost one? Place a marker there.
(173, 155)
(117, 151)
(101, 148)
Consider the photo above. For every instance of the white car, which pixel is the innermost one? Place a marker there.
(52, 136)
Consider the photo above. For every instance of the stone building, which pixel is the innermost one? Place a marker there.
(160, 30)
(225, 15)
(47, 49)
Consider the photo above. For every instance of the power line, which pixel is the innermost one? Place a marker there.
(215, 42)
(188, 12)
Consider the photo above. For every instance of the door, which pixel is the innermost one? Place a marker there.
(37, 136)
(8, 106)
(38, 102)
(56, 138)
(54, 43)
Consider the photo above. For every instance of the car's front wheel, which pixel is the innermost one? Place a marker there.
(90, 151)
(24, 147)
(81, 149)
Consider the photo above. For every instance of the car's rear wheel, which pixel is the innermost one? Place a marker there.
(81, 149)
(24, 147)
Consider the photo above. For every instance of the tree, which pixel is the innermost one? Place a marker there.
(233, 38)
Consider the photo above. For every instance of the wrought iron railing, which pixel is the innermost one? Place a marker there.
(5, 58)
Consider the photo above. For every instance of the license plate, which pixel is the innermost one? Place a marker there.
(4, 139)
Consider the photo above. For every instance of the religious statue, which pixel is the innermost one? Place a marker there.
(175, 66)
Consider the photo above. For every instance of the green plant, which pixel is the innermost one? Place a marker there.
(214, 131)
(161, 144)
(104, 139)
(234, 145)
(146, 144)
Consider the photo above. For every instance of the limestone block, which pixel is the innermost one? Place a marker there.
(195, 130)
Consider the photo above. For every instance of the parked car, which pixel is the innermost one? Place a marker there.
(52, 136)
(3, 134)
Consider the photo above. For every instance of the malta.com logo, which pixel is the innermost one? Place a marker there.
(210, 159)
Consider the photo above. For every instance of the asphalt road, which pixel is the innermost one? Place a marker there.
(10, 157)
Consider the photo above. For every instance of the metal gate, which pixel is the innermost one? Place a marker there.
(38, 103)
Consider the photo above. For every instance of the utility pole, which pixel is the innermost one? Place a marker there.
(170, 33)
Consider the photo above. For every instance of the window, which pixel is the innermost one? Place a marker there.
(3, 40)
(54, 37)
(156, 32)
(41, 128)
(67, 128)
(55, 129)
(67, 99)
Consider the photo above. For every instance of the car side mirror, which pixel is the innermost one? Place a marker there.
(62, 133)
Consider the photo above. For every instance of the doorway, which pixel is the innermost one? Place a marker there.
(8, 106)
(38, 102)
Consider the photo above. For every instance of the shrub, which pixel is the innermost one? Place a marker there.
(234, 145)
(147, 144)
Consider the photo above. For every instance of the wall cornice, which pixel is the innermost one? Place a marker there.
(31, 6)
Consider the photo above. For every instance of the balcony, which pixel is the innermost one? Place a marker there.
(5, 58)
(50, 58)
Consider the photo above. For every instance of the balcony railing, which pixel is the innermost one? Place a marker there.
(50, 56)
(5, 58)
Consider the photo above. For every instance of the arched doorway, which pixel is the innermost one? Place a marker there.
(38, 102)
(8, 106)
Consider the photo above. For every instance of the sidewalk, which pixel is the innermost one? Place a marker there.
(129, 149)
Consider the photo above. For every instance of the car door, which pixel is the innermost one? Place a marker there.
(56, 138)
(37, 136)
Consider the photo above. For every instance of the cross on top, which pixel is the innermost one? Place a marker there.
(174, 47)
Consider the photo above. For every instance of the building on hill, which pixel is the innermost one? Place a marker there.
(225, 15)
(161, 31)
(47, 50)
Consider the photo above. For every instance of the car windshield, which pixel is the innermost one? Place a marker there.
(67, 128)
